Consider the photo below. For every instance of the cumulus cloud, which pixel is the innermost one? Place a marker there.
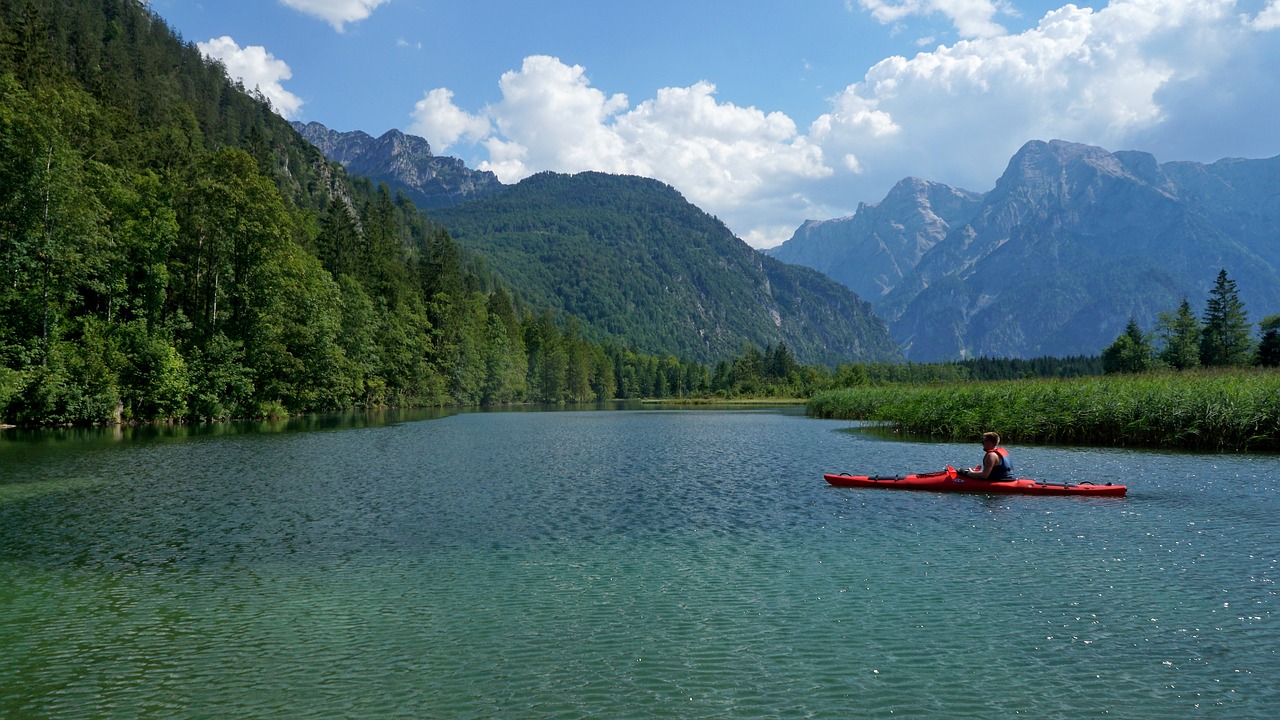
(336, 12)
(255, 68)
(718, 153)
(1269, 18)
(1185, 79)
(442, 123)
(724, 158)
(972, 18)
(555, 119)
(956, 114)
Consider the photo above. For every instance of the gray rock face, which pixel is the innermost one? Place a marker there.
(1072, 242)
(873, 249)
(405, 163)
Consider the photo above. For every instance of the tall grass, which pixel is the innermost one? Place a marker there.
(1227, 410)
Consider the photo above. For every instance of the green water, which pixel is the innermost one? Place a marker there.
(620, 564)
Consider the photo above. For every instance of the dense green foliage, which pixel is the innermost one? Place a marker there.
(1222, 339)
(1269, 346)
(1132, 405)
(1180, 332)
(1207, 410)
(171, 249)
(633, 260)
(1130, 353)
(982, 368)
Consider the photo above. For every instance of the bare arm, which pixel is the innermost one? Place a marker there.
(988, 464)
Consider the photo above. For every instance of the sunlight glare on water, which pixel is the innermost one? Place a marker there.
(687, 563)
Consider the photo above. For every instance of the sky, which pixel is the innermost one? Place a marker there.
(763, 113)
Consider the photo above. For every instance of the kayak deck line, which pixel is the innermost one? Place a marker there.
(948, 481)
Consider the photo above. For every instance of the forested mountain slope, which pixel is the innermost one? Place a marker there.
(170, 248)
(633, 259)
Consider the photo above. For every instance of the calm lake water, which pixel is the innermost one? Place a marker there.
(622, 564)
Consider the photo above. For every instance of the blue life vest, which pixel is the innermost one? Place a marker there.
(1004, 469)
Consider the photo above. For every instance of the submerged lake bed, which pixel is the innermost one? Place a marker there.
(686, 563)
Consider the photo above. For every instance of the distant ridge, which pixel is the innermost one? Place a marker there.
(1072, 242)
(637, 263)
(871, 250)
(404, 162)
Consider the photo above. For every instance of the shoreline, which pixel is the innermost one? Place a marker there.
(1218, 411)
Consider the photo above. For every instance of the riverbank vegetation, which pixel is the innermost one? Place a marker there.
(1195, 383)
(1199, 410)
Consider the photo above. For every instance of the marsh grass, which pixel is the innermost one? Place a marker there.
(1226, 410)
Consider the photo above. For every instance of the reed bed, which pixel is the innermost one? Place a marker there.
(1220, 411)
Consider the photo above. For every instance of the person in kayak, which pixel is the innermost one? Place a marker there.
(995, 461)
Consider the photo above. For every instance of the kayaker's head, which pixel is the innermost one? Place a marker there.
(990, 440)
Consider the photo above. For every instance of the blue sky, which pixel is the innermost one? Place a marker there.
(764, 114)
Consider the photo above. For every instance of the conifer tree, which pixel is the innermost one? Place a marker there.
(1130, 353)
(1269, 348)
(339, 245)
(1181, 334)
(1225, 339)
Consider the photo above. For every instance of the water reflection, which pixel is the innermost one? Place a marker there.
(166, 431)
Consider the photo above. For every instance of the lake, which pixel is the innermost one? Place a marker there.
(619, 564)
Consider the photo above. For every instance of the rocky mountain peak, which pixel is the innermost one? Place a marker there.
(871, 250)
(404, 162)
(1072, 242)
(1059, 168)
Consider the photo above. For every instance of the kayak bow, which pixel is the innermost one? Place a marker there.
(949, 481)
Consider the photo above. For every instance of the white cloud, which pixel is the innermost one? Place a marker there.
(442, 123)
(1185, 79)
(256, 68)
(972, 18)
(557, 120)
(716, 153)
(727, 159)
(956, 114)
(1269, 18)
(336, 12)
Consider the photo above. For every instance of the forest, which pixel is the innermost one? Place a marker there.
(170, 249)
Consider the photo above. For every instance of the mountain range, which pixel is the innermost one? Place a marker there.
(404, 162)
(1071, 243)
(628, 257)
(872, 250)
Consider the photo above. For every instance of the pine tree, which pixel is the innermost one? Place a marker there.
(1269, 348)
(1181, 334)
(339, 244)
(1225, 339)
(1130, 353)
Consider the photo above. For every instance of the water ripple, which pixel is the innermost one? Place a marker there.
(622, 564)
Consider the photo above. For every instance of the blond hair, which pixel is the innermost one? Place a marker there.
(994, 437)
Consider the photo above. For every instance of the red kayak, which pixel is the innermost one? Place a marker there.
(948, 481)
